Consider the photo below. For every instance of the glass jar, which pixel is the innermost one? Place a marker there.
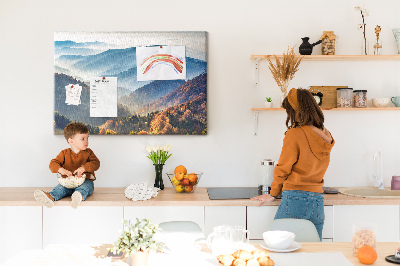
(360, 98)
(364, 234)
(344, 97)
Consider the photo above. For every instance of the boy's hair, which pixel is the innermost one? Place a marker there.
(74, 128)
(309, 113)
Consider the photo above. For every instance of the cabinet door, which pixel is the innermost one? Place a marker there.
(20, 229)
(386, 217)
(85, 225)
(159, 214)
(218, 215)
(259, 219)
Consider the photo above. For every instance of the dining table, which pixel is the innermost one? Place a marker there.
(72, 254)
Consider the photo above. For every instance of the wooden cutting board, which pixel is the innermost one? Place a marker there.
(329, 98)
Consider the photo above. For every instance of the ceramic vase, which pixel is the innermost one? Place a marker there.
(139, 258)
(268, 104)
(159, 181)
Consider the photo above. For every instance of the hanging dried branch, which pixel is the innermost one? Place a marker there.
(283, 72)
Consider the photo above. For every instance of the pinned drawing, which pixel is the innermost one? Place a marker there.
(161, 63)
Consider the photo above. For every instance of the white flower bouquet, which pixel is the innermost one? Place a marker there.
(157, 154)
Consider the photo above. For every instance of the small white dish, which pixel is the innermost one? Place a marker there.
(295, 246)
(380, 102)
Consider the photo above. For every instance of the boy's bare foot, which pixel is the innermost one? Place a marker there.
(76, 199)
(44, 198)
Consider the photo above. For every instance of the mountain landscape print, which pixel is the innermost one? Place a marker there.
(144, 106)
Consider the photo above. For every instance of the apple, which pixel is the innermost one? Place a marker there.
(192, 178)
(179, 175)
(175, 181)
(185, 182)
(179, 188)
(189, 188)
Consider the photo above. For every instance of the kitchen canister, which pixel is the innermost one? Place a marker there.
(360, 98)
(364, 234)
(395, 184)
(344, 97)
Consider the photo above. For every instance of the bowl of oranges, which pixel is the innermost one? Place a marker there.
(182, 181)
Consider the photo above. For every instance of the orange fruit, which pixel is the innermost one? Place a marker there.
(180, 169)
(367, 255)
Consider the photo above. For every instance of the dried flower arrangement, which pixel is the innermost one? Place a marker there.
(283, 71)
(364, 13)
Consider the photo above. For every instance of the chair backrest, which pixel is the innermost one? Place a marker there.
(304, 230)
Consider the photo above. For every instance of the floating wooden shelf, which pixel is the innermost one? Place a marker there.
(337, 57)
(332, 109)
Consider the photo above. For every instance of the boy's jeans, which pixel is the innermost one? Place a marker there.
(86, 189)
(306, 205)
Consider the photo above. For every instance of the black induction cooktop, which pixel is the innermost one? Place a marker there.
(225, 193)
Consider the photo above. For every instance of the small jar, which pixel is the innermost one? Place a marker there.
(360, 98)
(344, 97)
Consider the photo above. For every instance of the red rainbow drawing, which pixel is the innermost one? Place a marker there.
(150, 61)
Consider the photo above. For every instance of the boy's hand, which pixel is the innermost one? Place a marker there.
(263, 198)
(63, 171)
(79, 171)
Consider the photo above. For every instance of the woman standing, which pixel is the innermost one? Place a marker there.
(305, 156)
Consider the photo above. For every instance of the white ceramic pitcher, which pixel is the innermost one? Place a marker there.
(220, 240)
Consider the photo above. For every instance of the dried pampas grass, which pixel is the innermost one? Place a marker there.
(283, 71)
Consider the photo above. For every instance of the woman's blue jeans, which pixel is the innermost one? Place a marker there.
(306, 205)
(86, 189)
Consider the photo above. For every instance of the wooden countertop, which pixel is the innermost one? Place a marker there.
(23, 196)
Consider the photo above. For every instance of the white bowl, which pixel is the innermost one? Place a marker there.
(380, 102)
(279, 240)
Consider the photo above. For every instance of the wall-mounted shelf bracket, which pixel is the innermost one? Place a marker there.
(256, 66)
(255, 122)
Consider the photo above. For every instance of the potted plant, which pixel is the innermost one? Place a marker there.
(268, 102)
(137, 240)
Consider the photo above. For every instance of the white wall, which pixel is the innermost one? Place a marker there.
(230, 153)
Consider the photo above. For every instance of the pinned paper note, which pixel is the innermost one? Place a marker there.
(103, 97)
(73, 94)
(161, 63)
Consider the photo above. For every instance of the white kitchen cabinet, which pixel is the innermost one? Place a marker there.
(85, 225)
(259, 219)
(386, 217)
(218, 215)
(159, 214)
(20, 229)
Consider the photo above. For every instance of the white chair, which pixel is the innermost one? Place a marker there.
(178, 234)
(304, 230)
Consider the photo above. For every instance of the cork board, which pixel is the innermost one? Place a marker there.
(329, 98)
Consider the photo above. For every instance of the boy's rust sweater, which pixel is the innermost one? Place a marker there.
(71, 161)
(303, 161)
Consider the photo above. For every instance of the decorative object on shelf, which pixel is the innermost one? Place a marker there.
(328, 45)
(137, 240)
(396, 101)
(268, 102)
(378, 44)
(396, 33)
(158, 155)
(306, 47)
(364, 43)
(380, 102)
(318, 97)
(283, 71)
(141, 191)
(344, 97)
(329, 93)
(360, 98)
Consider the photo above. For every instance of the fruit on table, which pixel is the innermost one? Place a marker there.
(367, 255)
(189, 188)
(175, 181)
(192, 178)
(179, 188)
(185, 182)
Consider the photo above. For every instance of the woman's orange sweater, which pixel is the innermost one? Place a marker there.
(303, 161)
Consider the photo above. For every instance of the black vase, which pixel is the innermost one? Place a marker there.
(306, 48)
(159, 181)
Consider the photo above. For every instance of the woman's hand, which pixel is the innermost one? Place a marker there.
(263, 198)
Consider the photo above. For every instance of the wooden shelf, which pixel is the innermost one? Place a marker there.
(332, 109)
(337, 57)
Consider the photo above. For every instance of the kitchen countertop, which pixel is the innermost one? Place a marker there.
(23, 196)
